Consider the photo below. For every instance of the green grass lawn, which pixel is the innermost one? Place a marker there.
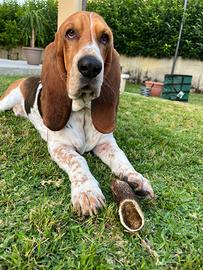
(38, 228)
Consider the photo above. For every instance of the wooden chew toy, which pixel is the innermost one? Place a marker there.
(130, 214)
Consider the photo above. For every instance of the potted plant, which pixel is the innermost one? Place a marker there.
(33, 23)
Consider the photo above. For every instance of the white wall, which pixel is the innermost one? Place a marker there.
(156, 68)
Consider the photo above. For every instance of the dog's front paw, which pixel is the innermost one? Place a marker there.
(140, 184)
(87, 198)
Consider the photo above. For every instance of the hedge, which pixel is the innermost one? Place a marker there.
(151, 27)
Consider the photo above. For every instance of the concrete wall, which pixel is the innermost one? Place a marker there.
(153, 68)
(14, 54)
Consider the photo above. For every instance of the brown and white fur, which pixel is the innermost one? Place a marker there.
(76, 113)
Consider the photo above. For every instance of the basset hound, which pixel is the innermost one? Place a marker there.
(74, 104)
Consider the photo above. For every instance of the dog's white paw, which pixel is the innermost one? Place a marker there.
(140, 184)
(87, 198)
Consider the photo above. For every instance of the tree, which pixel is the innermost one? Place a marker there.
(33, 22)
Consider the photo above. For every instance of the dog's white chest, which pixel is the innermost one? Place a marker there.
(81, 132)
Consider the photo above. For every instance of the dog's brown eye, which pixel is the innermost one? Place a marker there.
(104, 39)
(71, 34)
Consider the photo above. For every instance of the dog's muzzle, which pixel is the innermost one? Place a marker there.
(87, 84)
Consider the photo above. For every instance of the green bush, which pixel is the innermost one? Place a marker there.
(10, 36)
(9, 24)
(151, 27)
(50, 12)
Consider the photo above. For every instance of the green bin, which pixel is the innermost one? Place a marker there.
(177, 87)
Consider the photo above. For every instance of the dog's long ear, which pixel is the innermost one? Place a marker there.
(104, 108)
(55, 103)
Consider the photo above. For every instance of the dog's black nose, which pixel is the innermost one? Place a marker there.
(89, 66)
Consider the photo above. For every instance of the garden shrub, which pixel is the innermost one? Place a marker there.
(10, 36)
(151, 27)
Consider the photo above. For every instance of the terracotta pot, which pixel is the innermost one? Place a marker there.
(33, 55)
(156, 88)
